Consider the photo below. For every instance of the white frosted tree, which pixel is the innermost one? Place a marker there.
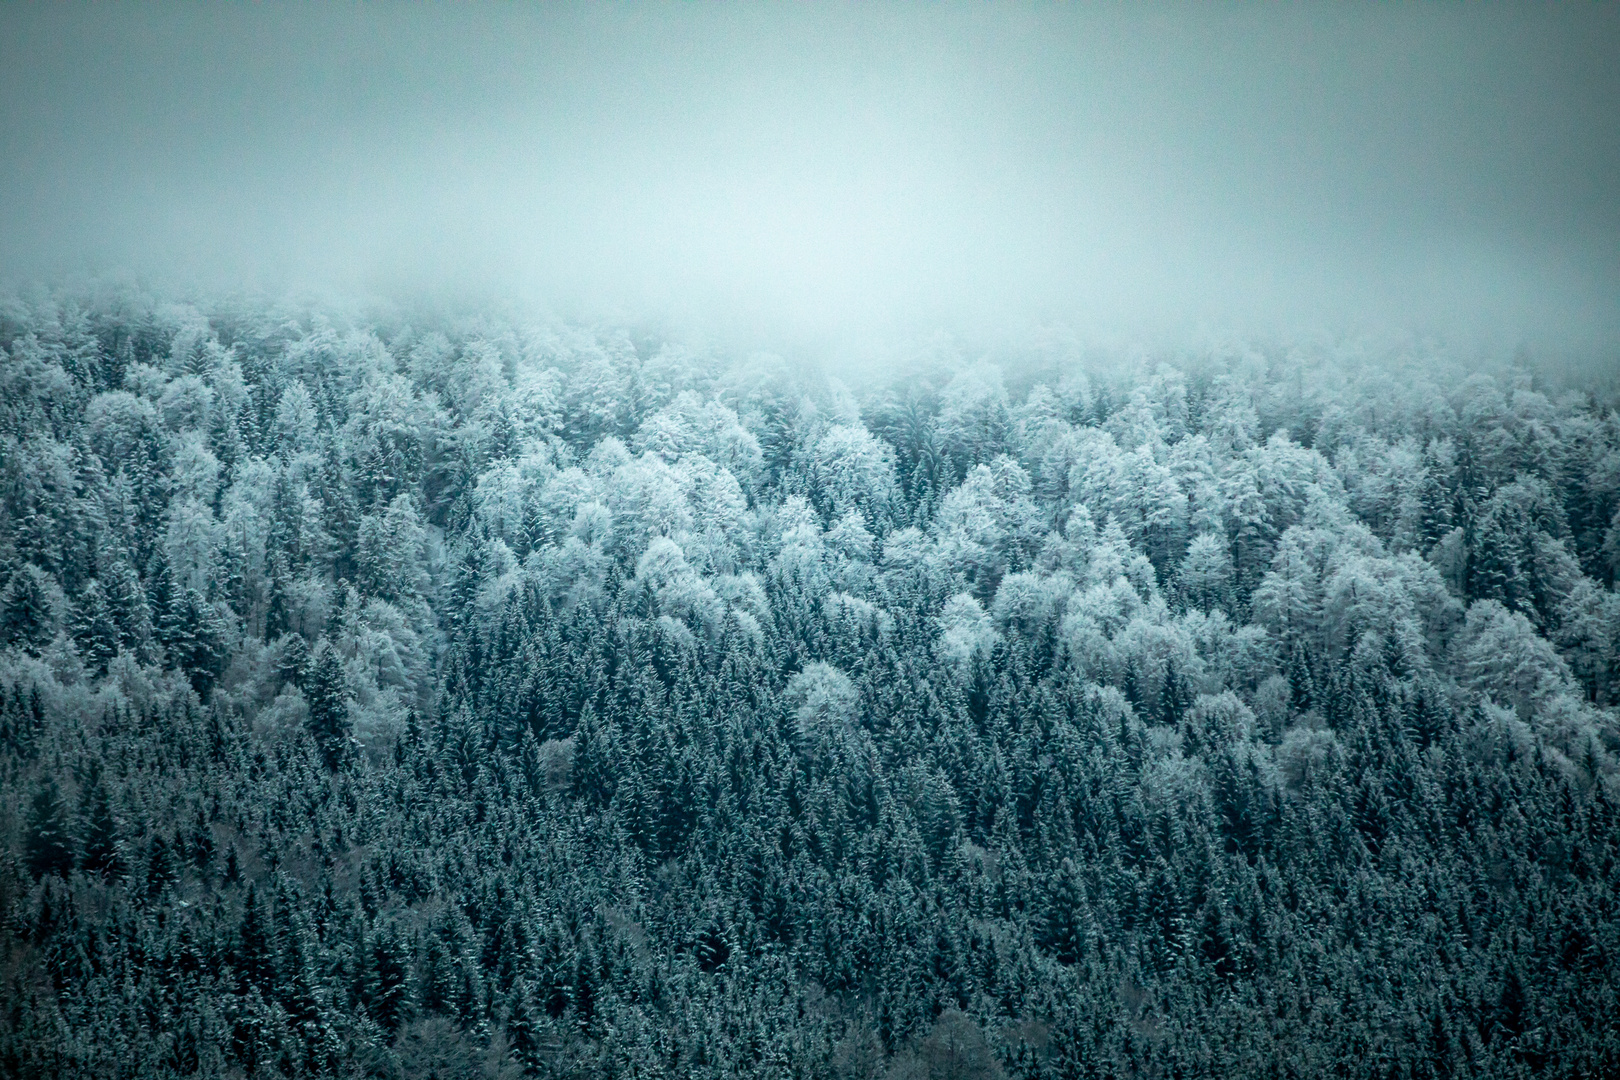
(1499, 654)
(854, 470)
(295, 420)
(966, 634)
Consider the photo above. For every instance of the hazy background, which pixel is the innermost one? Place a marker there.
(839, 169)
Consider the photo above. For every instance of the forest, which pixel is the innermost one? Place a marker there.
(405, 694)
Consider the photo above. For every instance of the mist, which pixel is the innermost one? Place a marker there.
(841, 171)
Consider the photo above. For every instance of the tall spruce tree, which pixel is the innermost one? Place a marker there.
(47, 843)
(101, 842)
(327, 692)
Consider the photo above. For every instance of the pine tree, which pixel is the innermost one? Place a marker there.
(103, 849)
(385, 988)
(293, 660)
(434, 976)
(196, 637)
(162, 598)
(255, 950)
(523, 1029)
(93, 627)
(29, 607)
(1064, 926)
(328, 695)
(1215, 942)
(126, 599)
(47, 846)
(162, 865)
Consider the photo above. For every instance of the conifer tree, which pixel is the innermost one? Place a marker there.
(101, 844)
(196, 638)
(385, 987)
(30, 605)
(327, 692)
(93, 627)
(47, 844)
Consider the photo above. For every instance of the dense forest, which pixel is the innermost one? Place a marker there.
(397, 694)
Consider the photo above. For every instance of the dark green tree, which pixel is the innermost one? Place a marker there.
(327, 692)
(196, 637)
(94, 628)
(254, 960)
(30, 606)
(47, 843)
(102, 845)
(385, 986)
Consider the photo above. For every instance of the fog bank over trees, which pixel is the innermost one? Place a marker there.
(388, 694)
(841, 171)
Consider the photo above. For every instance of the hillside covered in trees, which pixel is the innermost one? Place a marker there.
(402, 697)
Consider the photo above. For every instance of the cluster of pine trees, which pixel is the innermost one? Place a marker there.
(447, 696)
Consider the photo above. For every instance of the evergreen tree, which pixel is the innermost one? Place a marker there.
(30, 606)
(1064, 931)
(196, 637)
(101, 842)
(255, 956)
(162, 865)
(131, 614)
(93, 627)
(328, 696)
(47, 844)
(385, 986)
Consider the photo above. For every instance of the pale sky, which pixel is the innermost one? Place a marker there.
(838, 168)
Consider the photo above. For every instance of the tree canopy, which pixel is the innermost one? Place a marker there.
(460, 697)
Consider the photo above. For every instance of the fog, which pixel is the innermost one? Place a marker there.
(841, 170)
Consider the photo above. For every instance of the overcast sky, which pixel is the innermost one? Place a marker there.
(1446, 168)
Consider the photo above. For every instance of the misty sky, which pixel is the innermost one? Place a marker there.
(839, 167)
